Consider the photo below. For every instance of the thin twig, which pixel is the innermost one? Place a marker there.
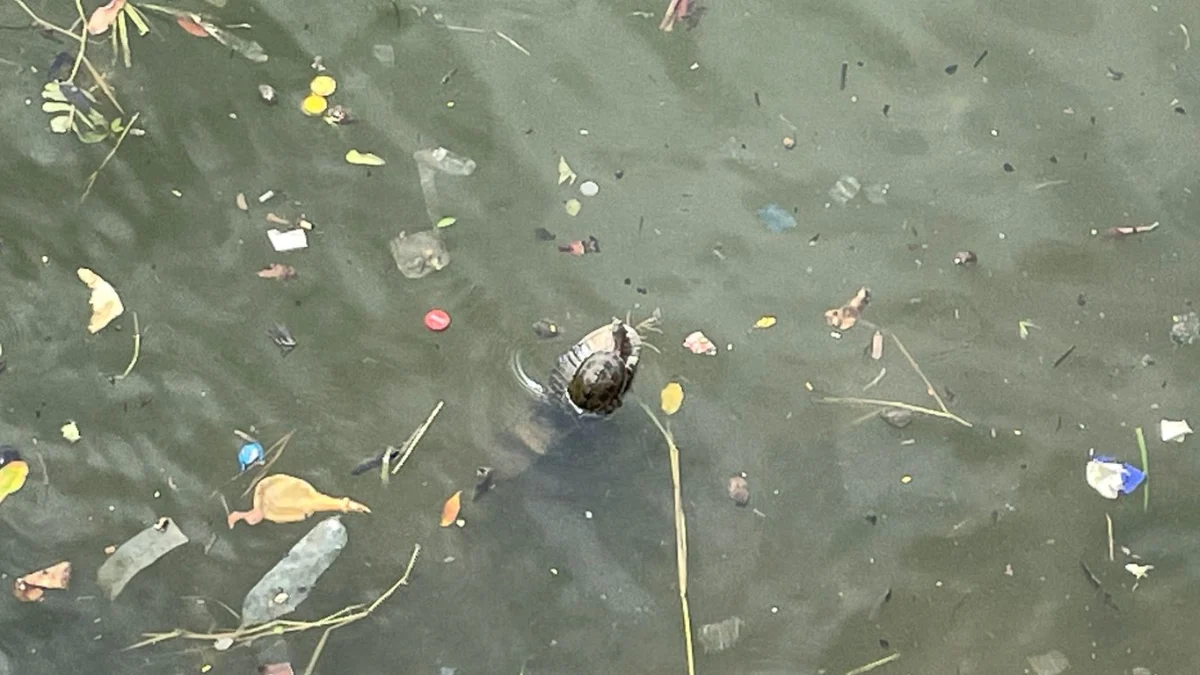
(87, 63)
(91, 181)
(852, 400)
(514, 43)
(83, 33)
(874, 664)
(680, 539)
(1141, 441)
(312, 660)
(1110, 537)
(246, 635)
(412, 441)
(272, 455)
(929, 385)
(137, 349)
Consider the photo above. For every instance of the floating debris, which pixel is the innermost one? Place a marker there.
(896, 417)
(717, 637)
(485, 479)
(846, 316)
(282, 337)
(845, 189)
(268, 95)
(698, 343)
(1112, 479)
(1051, 663)
(589, 188)
(32, 587)
(776, 218)
(1174, 430)
(281, 590)
(965, 258)
(739, 489)
(1186, 328)
(287, 240)
(546, 329)
(137, 554)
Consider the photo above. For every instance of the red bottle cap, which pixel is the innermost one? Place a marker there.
(437, 320)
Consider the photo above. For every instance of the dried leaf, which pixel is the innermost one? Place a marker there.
(32, 586)
(671, 398)
(450, 509)
(364, 158)
(191, 25)
(846, 316)
(104, 17)
(57, 577)
(565, 173)
(106, 304)
(70, 431)
(572, 206)
(277, 271)
(765, 322)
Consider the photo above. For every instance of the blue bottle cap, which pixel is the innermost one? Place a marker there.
(250, 454)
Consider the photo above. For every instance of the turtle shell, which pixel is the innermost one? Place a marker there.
(591, 378)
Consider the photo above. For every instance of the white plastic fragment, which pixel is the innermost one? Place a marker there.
(290, 240)
(1052, 662)
(589, 188)
(1174, 430)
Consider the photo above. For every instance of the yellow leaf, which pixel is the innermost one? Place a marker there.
(70, 431)
(364, 158)
(765, 322)
(573, 206)
(565, 173)
(671, 398)
(106, 304)
(450, 509)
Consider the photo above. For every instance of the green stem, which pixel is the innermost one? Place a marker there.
(1141, 441)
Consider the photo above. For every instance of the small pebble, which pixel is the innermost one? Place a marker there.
(739, 489)
(437, 320)
(589, 188)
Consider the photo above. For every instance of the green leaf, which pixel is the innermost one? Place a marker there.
(447, 221)
(92, 135)
(56, 107)
(116, 126)
(52, 92)
(61, 125)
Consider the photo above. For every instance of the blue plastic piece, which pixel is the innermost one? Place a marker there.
(250, 454)
(776, 218)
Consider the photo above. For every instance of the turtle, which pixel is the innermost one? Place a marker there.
(587, 383)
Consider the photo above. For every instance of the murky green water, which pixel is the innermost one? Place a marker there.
(532, 582)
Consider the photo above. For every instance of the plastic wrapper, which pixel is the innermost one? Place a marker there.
(137, 554)
(281, 590)
(437, 160)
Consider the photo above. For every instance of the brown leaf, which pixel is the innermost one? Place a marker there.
(106, 304)
(32, 586)
(277, 271)
(450, 509)
(104, 17)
